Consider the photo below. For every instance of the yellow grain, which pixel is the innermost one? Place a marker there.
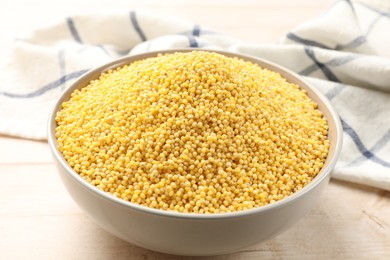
(193, 132)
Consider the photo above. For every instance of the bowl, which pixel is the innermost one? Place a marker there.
(191, 233)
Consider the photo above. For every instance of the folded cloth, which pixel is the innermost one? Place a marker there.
(345, 53)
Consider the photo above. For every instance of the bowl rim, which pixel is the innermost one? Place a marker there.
(83, 80)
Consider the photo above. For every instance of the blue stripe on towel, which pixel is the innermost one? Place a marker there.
(73, 30)
(358, 41)
(136, 26)
(351, 6)
(352, 44)
(196, 30)
(335, 91)
(192, 41)
(376, 147)
(361, 147)
(55, 84)
(342, 60)
(299, 39)
(332, 63)
(386, 14)
(327, 72)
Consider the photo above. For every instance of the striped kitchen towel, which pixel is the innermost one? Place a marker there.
(345, 53)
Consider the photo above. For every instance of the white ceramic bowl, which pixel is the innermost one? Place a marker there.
(189, 233)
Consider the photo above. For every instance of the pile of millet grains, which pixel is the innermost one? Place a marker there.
(195, 132)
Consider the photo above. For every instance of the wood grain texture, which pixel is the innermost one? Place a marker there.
(39, 220)
(39, 216)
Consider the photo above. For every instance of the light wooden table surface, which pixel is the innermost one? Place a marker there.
(39, 220)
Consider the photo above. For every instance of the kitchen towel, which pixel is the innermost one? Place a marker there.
(345, 53)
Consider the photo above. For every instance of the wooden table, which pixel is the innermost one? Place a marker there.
(39, 220)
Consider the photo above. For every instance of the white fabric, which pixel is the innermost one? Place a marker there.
(345, 53)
